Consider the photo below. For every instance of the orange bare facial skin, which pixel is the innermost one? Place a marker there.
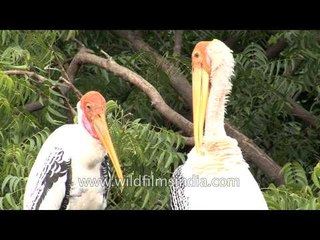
(199, 56)
(93, 104)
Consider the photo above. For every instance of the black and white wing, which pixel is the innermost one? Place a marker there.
(49, 182)
(106, 176)
(177, 190)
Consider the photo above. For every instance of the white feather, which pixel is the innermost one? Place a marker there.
(86, 155)
(232, 184)
(222, 164)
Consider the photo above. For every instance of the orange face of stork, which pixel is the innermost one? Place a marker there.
(93, 106)
(201, 69)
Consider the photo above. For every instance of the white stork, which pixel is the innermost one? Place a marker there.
(72, 154)
(216, 158)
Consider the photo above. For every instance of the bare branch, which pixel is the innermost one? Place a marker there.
(252, 153)
(303, 114)
(32, 107)
(231, 41)
(189, 141)
(73, 69)
(179, 82)
(156, 100)
(76, 90)
(72, 112)
(177, 42)
(78, 42)
(275, 49)
(33, 75)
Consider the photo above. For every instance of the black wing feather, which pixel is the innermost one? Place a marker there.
(178, 198)
(65, 200)
(55, 168)
(106, 176)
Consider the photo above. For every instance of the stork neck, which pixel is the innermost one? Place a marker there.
(220, 86)
(84, 122)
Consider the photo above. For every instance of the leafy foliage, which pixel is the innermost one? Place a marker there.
(296, 194)
(148, 154)
(147, 144)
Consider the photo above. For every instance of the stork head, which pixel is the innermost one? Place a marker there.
(212, 66)
(92, 115)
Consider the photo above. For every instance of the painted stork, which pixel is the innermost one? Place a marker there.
(215, 175)
(72, 154)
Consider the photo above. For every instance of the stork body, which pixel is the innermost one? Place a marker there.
(72, 168)
(215, 175)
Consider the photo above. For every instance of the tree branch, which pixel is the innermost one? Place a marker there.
(252, 153)
(296, 109)
(31, 107)
(275, 49)
(303, 114)
(73, 112)
(34, 75)
(177, 42)
(85, 57)
(76, 90)
(179, 82)
(231, 41)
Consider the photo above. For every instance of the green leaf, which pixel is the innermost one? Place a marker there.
(315, 176)
(146, 199)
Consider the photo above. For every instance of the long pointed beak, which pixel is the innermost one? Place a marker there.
(101, 128)
(200, 93)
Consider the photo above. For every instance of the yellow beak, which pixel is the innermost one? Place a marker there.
(101, 128)
(200, 93)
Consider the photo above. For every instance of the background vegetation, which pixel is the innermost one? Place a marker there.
(275, 102)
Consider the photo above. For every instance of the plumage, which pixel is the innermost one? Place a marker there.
(215, 175)
(68, 157)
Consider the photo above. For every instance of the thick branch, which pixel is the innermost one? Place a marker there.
(303, 114)
(32, 107)
(252, 152)
(177, 79)
(84, 57)
(231, 41)
(275, 49)
(177, 42)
